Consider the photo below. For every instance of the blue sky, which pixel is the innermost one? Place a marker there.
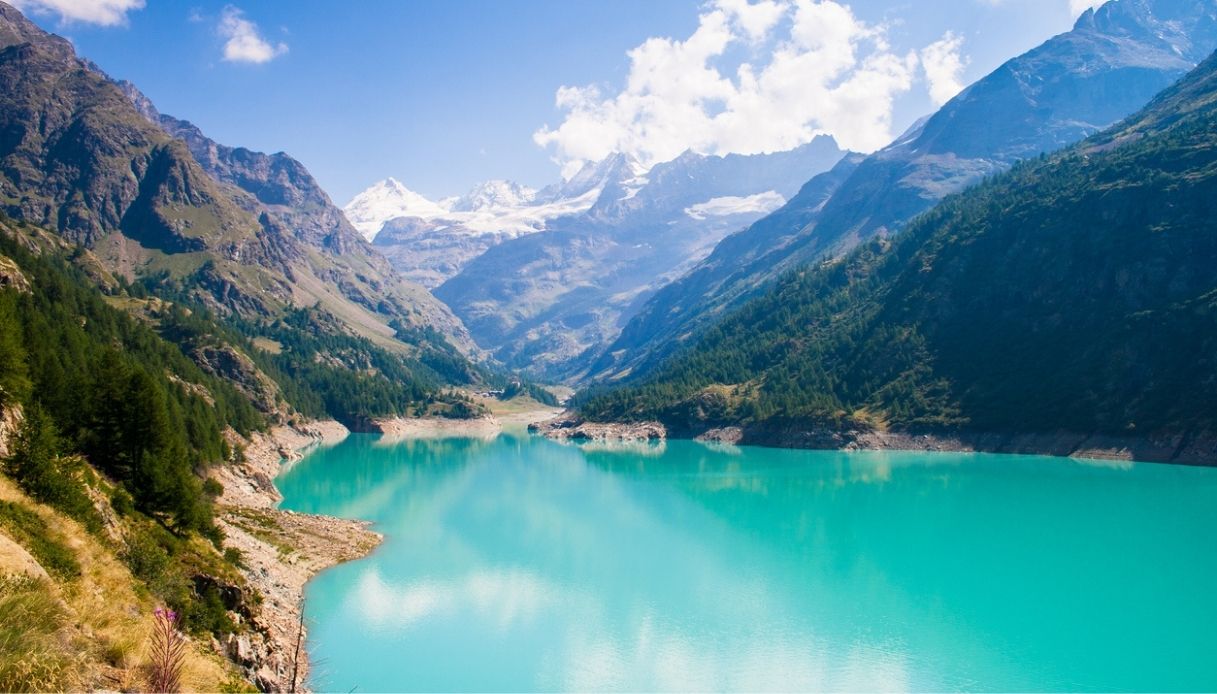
(442, 95)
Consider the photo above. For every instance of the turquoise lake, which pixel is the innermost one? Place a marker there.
(519, 564)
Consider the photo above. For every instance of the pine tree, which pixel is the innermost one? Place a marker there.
(14, 381)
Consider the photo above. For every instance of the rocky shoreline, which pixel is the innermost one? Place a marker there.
(402, 428)
(1181, 450)
(280, 551)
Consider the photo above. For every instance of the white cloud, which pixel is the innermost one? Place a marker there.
(815, 68)
(944, 65)
(103, 12)
(1076, 7)
(1080, 6)
(756, 19)
(245, 44)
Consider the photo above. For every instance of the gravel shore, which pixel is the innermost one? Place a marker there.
(281, 550)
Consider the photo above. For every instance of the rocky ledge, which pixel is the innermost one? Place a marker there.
(280, 552)
(570, 427)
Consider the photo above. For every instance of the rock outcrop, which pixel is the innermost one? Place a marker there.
(230, 364)
(570, 427)
(1179, 449)
(11, 276)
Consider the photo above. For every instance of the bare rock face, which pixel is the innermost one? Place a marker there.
(10, 421)
(239, 370)
(11, 276)
(14, 559)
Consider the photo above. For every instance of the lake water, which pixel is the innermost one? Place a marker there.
(521, 564)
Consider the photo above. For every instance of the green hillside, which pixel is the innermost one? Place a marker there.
(1075, 293)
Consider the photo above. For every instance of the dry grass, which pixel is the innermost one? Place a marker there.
(103, 624)
(268, 345)
(36, 652)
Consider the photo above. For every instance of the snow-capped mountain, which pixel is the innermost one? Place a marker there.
(495, 195)
(385, 200)
(545, 302)
(430, 241)
(618, 168)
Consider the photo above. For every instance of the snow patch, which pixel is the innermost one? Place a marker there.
(496, 207)
(761, 203)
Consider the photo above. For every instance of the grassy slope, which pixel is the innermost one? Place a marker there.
(87, 632)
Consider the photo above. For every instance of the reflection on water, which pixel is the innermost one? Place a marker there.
(520, 564)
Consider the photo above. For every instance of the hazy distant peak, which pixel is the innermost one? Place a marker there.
(495, 194)
(616, 168)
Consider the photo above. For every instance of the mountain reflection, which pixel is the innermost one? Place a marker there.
(523, 564)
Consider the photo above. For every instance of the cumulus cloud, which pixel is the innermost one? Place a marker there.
(1080, 6)
(1077, 7)
(814, 68)
(103, 12)
(245, 43)
(944, 64)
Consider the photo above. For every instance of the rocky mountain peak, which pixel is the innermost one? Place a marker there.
(385, 200)
(16, 30)
(495, 193)
(1182, 29)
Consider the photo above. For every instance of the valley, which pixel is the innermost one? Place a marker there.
(849, 350)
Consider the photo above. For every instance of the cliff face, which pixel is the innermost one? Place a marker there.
(274, 182)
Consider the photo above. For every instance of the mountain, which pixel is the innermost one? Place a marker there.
(282, 187)
(546, 302)
(592, 178)
(247, 241)
(429, 242)
(1070, 303)
(385, 200)
(495, 194)
(277, 182)
(1112, 62)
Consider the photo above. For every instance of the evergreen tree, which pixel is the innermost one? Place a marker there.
(39, 468)
(14, 381)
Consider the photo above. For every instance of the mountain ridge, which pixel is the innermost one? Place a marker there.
(1113, 61)
(545, 302)
(1031, 308)
(246, 243)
